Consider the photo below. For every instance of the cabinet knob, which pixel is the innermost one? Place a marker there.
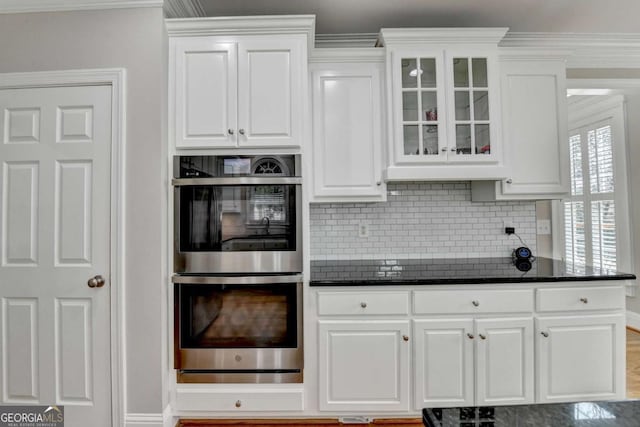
(545, 334)
(444, 149)
(363, 304)
(470, 336)
(238, 403)
(230, 131)
(509, 181)
(584, 300)
(482, 337)
(453, 150)
(475, 303)
(241, 131)
(379, 183)
(405, 337)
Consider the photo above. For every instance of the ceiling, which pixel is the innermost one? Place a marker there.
(368, 16)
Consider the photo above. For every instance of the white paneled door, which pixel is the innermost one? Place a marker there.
(55, 146)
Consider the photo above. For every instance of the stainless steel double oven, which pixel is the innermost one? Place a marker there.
(237, 264)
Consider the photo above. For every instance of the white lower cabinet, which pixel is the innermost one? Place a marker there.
(504, 361)
(468, 362)
(364, 365)
(443, 363)
(580, 357)
(238, 398)
(469, 346)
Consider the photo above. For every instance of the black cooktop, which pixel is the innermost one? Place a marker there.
(578, 414)
(451, 270)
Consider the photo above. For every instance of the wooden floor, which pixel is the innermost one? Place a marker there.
(633, 391)
(633, 363)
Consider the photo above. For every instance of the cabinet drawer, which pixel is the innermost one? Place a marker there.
(350, 303)
(239, 401)
(580, 299)
(465, 301)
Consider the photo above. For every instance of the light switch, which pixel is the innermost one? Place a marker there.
(543, 226)
(363, 230)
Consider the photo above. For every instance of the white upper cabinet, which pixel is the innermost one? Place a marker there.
(348, 125)
(238, 82)
(534, 102)
(205, 89)
(445, 117)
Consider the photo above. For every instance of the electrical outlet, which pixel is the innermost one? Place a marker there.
(363, 230)
(543, 226)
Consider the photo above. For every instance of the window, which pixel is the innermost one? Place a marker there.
(596, 230)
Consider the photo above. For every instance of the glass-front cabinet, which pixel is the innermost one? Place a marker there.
(422, 98)
(444, 86)
(471, 104)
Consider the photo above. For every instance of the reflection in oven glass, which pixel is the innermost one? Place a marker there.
(239, 317)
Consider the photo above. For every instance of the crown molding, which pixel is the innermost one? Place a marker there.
(26, 6)
(587, 50)
(347, 55)
(533, 53)
(422, 36)
(183, 9)
(347, 40)
(244, 25)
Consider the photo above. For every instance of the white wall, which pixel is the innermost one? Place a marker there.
(131, 39)
(632, 98)
(633, 141)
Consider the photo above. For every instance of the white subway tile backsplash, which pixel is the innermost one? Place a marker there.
(421, 220)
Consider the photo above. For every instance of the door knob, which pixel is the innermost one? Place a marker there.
(96, 282)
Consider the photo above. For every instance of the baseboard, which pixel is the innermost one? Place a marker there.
(633, 320)
(169, 419)
(146, 420)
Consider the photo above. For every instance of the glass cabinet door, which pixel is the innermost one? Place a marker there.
(471, 107)
(420, 122)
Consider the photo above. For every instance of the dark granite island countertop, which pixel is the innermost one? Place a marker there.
(577, 414)
(441, 271)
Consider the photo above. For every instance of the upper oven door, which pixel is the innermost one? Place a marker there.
(237, 218)
(248, 228)
(237, 215)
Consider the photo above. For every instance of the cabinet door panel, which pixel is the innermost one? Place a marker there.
(363, 366)
(205, 93)
(504, 364)
(581, 358)
(443, 363)
(270, 92)
(419, 106)
(535, 117)
(347, 132)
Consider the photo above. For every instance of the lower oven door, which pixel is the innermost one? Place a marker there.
(238, 329)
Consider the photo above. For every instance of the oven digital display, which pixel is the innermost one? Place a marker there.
(235, 166)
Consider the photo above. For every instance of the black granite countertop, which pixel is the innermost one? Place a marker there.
(581, 414)
(441, 271)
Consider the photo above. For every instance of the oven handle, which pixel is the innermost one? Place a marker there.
(236, 280)
(240, 180)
